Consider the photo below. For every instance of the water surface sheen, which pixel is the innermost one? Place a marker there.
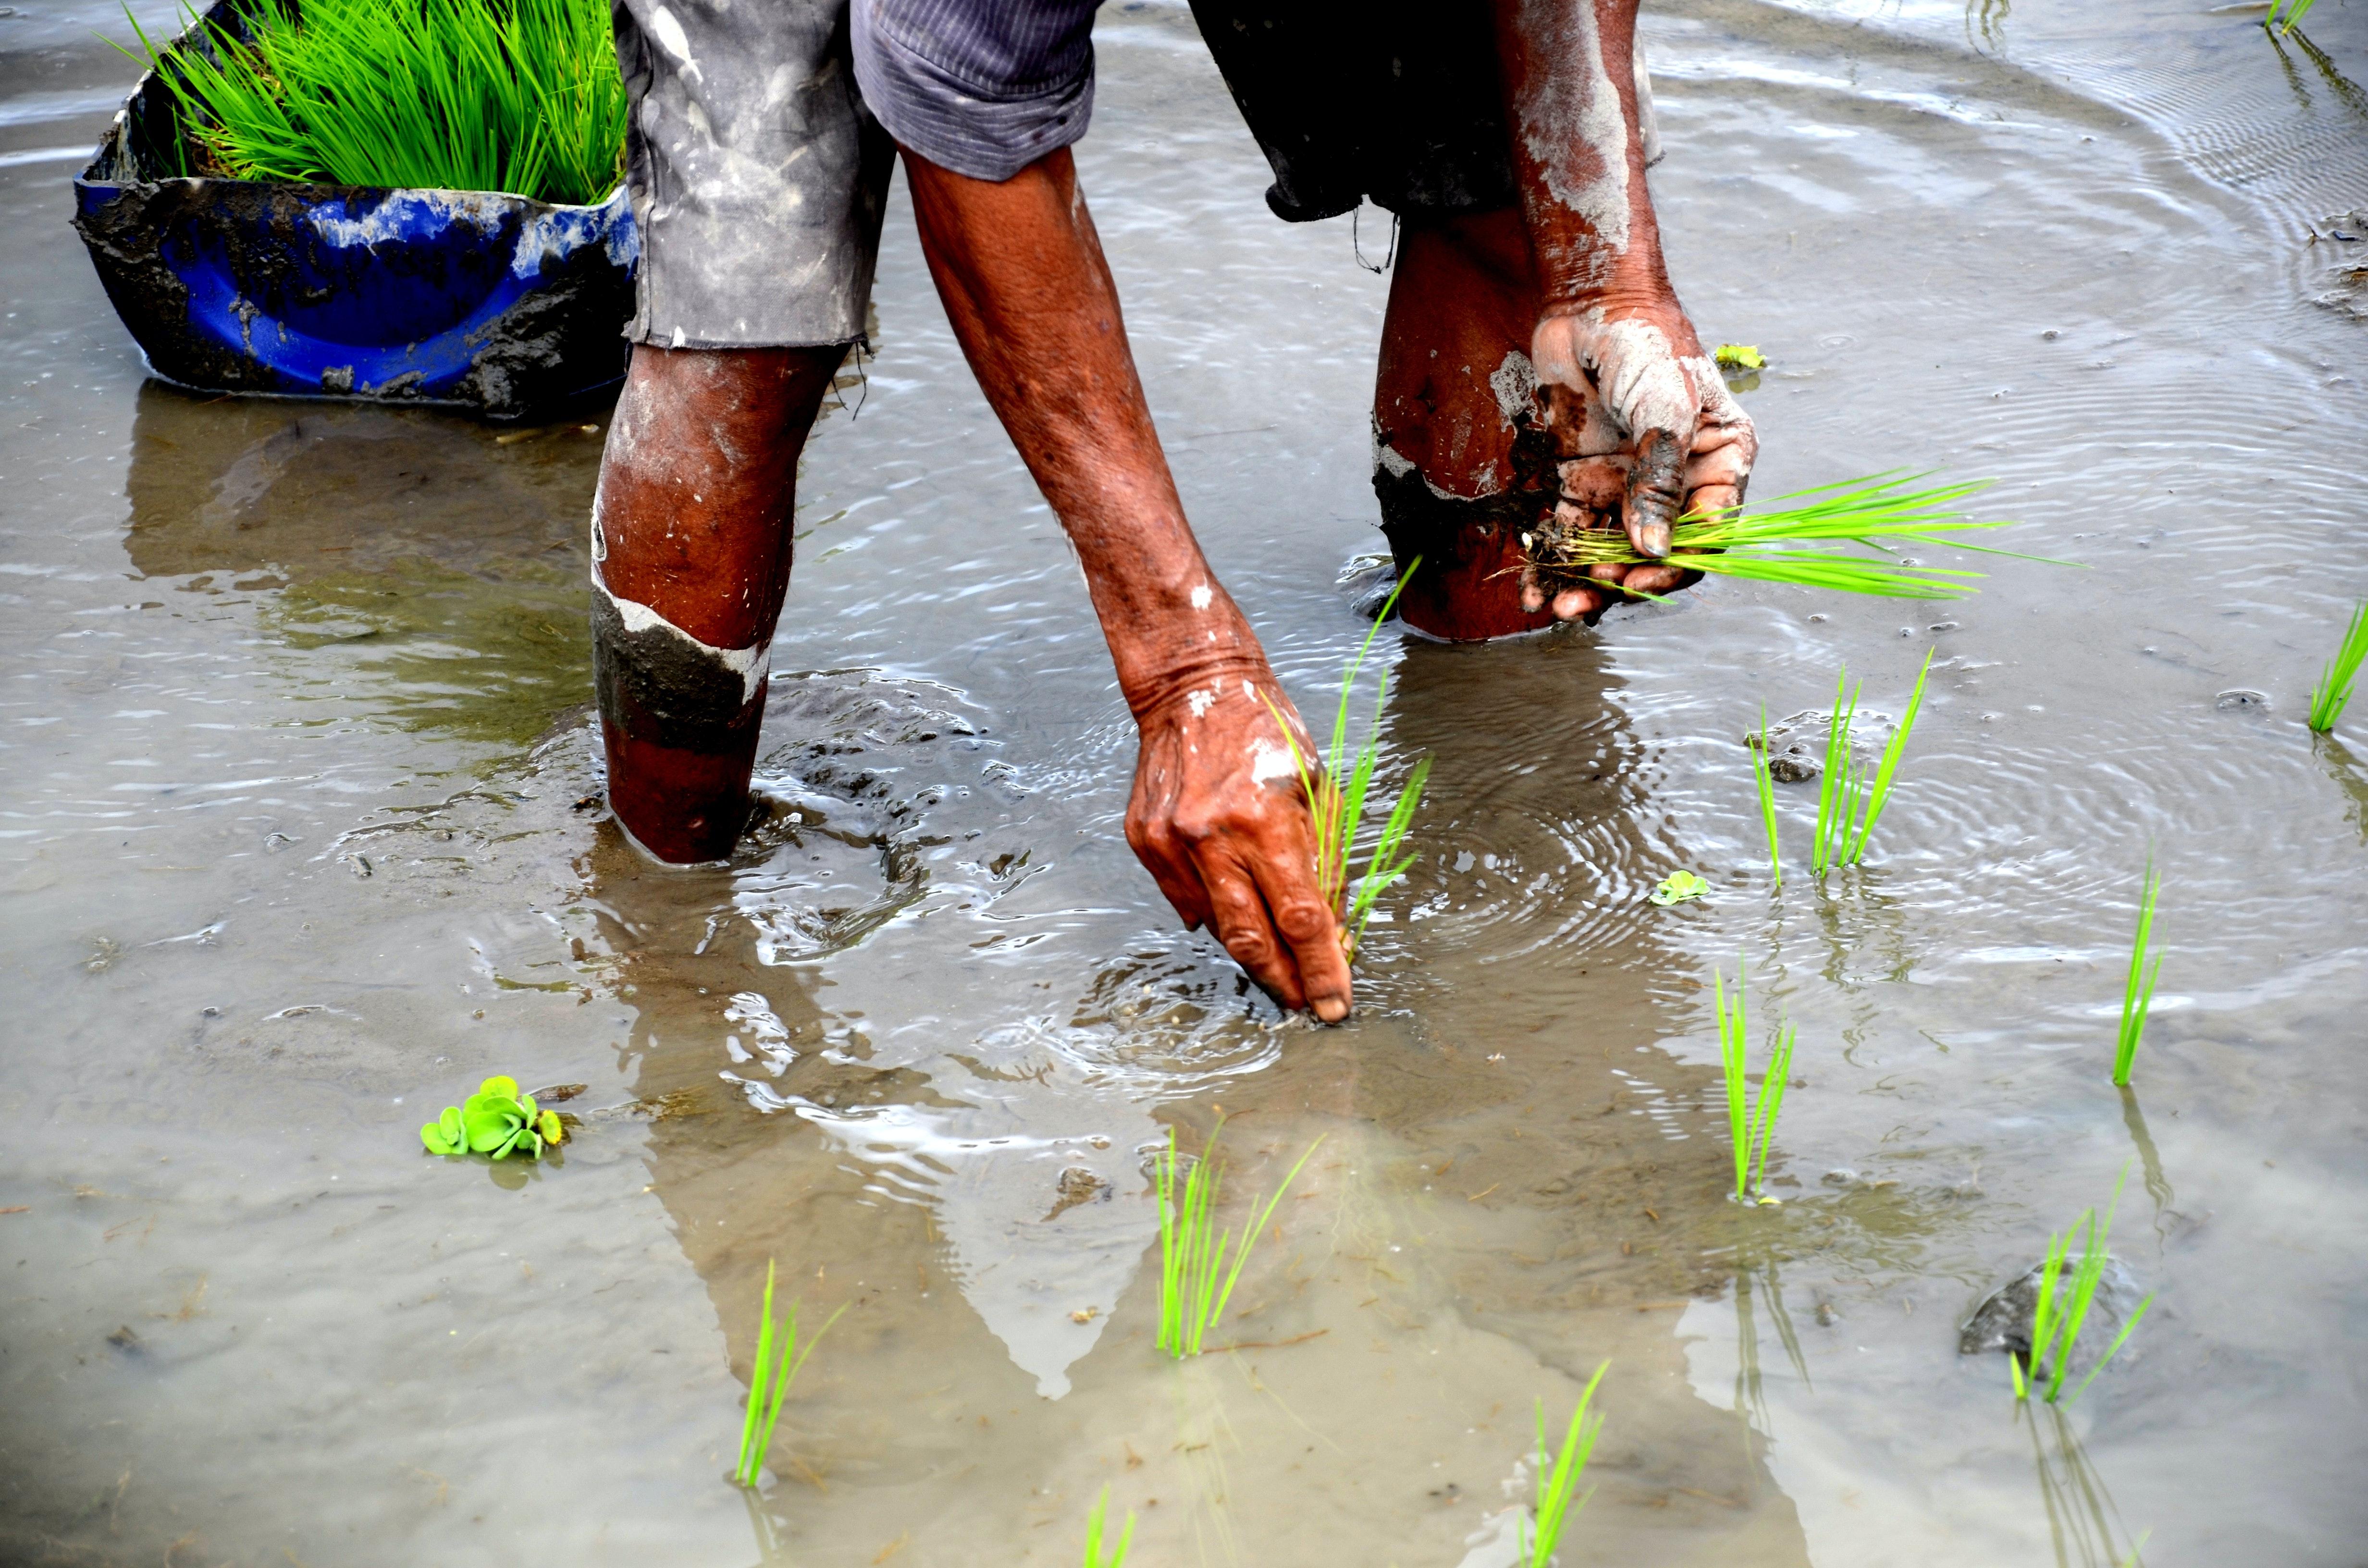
(300, 836)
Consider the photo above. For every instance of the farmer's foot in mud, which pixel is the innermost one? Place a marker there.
(691, 558)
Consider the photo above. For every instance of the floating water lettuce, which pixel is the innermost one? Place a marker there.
(1740, 357)
(497, 1120)
(1678, 887)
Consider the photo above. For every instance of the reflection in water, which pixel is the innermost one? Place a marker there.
(423, 572)
(1986, 23)
(2083, 1525)
(2349, 777)
(2157, 1186)
(2346, 92)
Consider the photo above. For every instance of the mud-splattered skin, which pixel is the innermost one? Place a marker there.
(1569, 297)
(692, 526)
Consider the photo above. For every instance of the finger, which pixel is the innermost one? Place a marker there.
(1150, 834)
(1600, 485)
(1533, 598)
(1659, 579)
(1655, 491)
(1239, 917)
(1572, 603)
(1285, 870)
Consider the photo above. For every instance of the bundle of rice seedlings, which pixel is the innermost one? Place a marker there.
(1558, 1481)
(1339, 808)
(2334, 691)
(769, 1383)
(2061, 1307)
(1848, 803)
(1115, 1557)
(1777, 543)
(1749, 1127)
(515, 96)
(2137, 991)
(1194, 1282)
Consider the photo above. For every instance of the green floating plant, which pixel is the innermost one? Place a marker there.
(2060, 1310)
(497, 1120)
(1740, 357)
(770, 1379)
(1339, 808)
(2137, 991)
(1749, 1127)
(1558, 1481)
(1848, 803)
(1194, 1282)
(1765, 544)
(1678, 887)
(2334, 691)
(1116, 1556)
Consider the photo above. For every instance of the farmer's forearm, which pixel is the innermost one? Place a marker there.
(1030, 298)
(1579, 155)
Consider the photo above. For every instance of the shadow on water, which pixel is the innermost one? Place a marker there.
(426, 570)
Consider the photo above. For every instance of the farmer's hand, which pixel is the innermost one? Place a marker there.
(1647, 432)
(1220, 819)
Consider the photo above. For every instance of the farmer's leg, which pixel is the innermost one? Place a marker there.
(690, 557)
(1461, 461)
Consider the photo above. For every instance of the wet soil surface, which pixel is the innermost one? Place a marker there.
(300, 837)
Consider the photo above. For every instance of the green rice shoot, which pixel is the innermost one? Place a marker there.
(1792, 540)
(1341, 809)
(1557, 1481)
(2137, 991)
(518, 96)
(1767, 781)
(769, 1381)
(2062, 1309)
(1750, 1125)
(1115, 1557)
(1850, 802)
(1195, 1281)
(2284, 14)
(2334, 691)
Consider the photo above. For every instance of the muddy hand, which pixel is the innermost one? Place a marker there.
(1648, 433)
(1220, 819)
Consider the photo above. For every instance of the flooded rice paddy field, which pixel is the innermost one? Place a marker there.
(299, 837)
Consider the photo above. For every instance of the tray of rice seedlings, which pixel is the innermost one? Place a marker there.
(2333, 693)
(1750, 1125)
(1116, 1556)
(1195, 1279)
(1849, 801)
(414, 200)
(770, 1379)
(2066, 1291)
(1339, 790)
(1557, 1480)
(1829, 537)
(2137, 991)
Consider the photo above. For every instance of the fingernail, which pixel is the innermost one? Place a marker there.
(1653, 539)
(1331, 1010)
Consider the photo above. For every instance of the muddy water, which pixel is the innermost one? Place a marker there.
(299, 837)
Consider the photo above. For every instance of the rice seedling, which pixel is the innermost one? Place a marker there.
(1339, 808)
(2284, 14)
(769, 1381)
(2061, 1309)
(2334, 691)
(1116, 1558)
(1749, 1126)
(1766, 783)
(518, 96)
(2137, 991)
(1848, 803)
(1759, 544)
(1195, 1282)
(1557, 1481)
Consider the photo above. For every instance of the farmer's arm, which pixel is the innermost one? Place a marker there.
(1644, 418)
(1217, 813)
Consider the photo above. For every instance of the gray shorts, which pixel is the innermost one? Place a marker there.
(760, 145)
